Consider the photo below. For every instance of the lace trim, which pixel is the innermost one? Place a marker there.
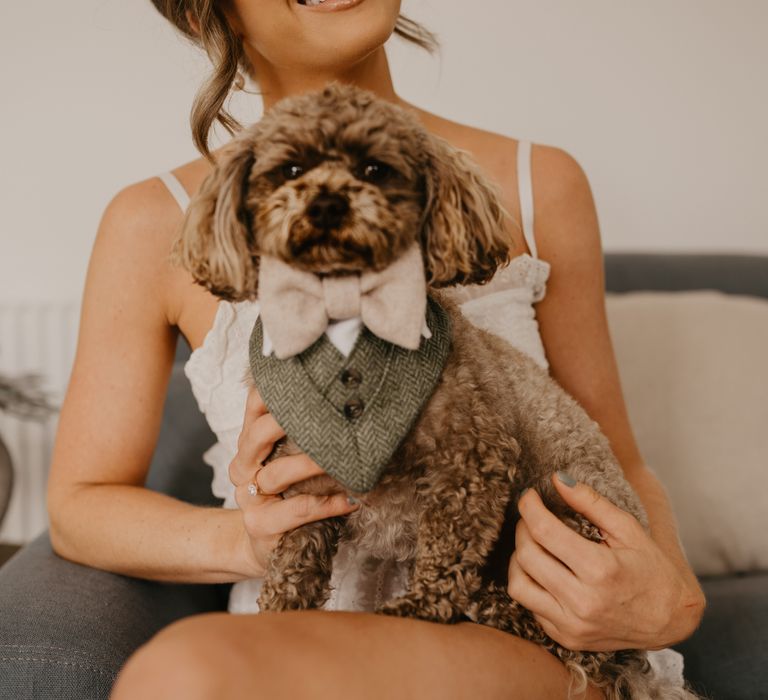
(211, 365)
(667, 664)
(209, 375)
(522, 271)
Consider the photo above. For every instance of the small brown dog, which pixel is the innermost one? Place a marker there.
(496, 422)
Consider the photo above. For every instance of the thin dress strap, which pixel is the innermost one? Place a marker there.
(525, 187)
(176, 189)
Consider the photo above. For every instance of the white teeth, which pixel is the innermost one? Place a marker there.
(312, 3)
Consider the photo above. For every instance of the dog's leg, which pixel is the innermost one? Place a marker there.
(491, 605)
(462, 502)
(299, 571)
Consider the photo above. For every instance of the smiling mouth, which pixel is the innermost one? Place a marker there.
(329, 4)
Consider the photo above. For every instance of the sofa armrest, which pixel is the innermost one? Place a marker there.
(726, 657)
(66, 629)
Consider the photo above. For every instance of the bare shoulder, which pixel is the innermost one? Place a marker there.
(565, 215)
(495, 153)
(138, 229)
(135, 237)
(560, 185)
(138, 223)
(558, 178)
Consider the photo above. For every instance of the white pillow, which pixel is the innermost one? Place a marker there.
(694, 370)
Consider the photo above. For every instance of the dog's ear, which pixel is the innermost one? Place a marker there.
(217, 244)
(463, 235)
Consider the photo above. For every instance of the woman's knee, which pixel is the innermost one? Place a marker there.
(225, 656)
(192, 658)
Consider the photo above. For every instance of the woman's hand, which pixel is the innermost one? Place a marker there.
(622, 593)
(266, 515)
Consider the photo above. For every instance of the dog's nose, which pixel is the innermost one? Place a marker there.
(327, 210)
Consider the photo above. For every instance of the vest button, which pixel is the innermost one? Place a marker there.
(351, 377)
(353, 408)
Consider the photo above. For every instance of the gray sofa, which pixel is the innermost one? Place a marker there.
(65, 629)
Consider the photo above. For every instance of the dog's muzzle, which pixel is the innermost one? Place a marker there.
(328, 210)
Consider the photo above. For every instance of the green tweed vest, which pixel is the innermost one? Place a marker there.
(351, 414)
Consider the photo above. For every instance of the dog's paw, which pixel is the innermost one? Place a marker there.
(272, 601)
(400, 607)
(292, 593)
(439, 610)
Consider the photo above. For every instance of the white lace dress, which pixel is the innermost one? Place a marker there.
(215, 371)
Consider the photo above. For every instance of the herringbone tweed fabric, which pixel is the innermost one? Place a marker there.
(307, 395)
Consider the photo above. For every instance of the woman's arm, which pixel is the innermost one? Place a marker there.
(575, 333)
(100, 513)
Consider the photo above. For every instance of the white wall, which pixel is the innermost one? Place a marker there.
(662, 102)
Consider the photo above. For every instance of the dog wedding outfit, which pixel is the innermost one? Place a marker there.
(504, 306)
(314, 388)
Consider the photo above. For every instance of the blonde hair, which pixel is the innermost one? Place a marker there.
(230, 63)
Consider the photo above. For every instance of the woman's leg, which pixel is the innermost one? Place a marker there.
(320, 655)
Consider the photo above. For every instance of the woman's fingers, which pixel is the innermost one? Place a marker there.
(247, 501)
(254, 406)
(548, 572)
(253, 447)
(257, 419)
(258, 436)
(280, 515)
(578, 553)
(617, 526)
(283, 472)
(266, 515)
(527, 591)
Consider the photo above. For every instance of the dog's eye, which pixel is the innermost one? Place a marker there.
(291, 171)
(374, 171)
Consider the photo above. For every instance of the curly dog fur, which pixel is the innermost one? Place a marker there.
(496, 423)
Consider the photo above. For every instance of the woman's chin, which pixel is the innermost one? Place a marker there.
(343, 59)
(347, 34)
(314, 41)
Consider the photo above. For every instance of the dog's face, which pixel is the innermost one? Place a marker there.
(336, 186)
(337, 182)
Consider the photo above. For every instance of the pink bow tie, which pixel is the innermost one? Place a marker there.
(296, 306)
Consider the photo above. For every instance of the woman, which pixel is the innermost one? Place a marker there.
(632, 591)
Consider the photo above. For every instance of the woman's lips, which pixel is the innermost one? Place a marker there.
(328, 5)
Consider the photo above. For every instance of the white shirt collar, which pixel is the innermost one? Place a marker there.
(342, 334)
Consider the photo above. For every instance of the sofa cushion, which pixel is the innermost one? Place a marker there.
(177, 467)
(725, 656)
(695, 379)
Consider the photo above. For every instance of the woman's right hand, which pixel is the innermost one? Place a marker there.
(267, 515)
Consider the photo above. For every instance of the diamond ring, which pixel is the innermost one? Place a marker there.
(253, 486)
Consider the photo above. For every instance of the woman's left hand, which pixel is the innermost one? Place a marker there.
(622, 593)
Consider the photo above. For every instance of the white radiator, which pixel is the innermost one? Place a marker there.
(40, 339)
